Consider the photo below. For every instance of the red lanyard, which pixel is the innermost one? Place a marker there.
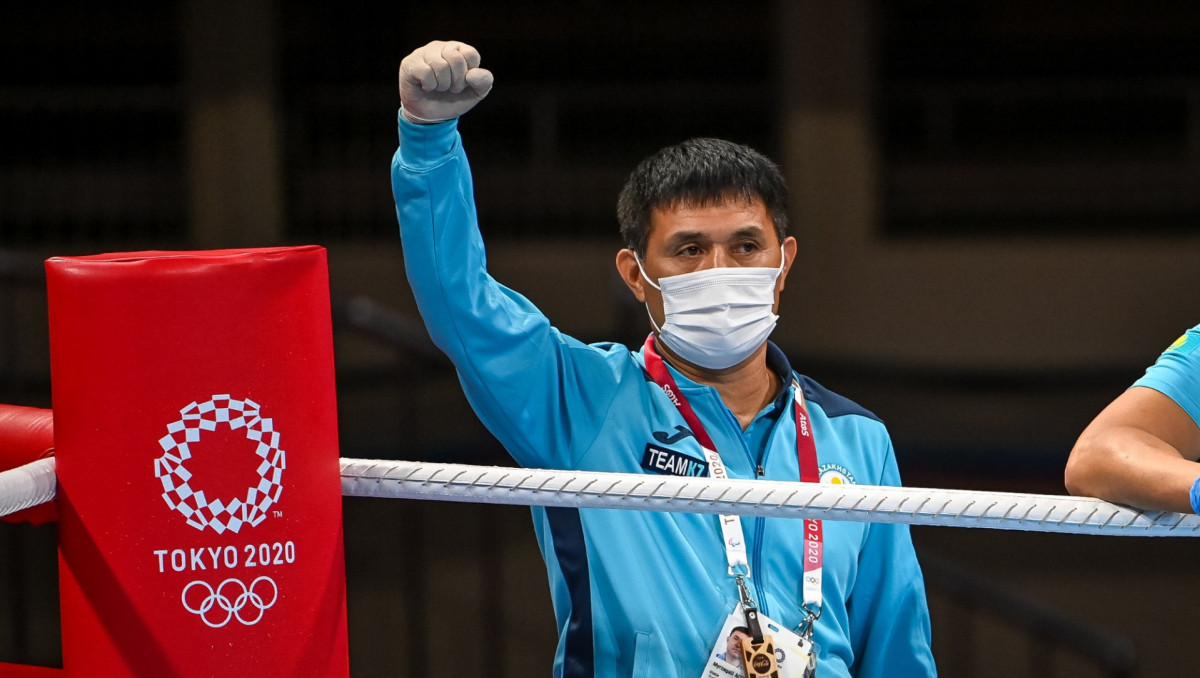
(806, 447)
(806, 455)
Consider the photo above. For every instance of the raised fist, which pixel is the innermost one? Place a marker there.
(441, 81)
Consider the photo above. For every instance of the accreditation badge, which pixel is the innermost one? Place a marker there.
(794, 655)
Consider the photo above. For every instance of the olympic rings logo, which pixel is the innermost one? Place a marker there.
(229, 513)
(231, 597)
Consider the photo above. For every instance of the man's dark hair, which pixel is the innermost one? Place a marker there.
(698, 173)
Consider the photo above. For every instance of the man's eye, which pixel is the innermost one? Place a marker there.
(690, 251)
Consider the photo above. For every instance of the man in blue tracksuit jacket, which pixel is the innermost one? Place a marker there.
(642, 593)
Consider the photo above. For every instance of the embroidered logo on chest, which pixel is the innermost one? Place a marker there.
(671, 462)
(836, 474)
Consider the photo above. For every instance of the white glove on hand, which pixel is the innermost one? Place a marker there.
(441, 81)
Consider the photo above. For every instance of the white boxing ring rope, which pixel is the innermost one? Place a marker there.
(34, 483)
(862, 503)
(26, 486)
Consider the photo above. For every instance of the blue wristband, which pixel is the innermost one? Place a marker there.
(1195, 496)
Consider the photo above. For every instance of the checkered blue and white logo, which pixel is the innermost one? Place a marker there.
(220, 514)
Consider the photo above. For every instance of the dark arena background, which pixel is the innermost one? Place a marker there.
(997, 205)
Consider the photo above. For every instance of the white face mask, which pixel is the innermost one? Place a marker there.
(717, 317)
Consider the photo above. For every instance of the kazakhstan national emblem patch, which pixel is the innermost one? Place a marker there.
(836, 474)
(1185, 344)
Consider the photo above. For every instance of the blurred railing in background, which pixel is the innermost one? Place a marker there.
(86, 165)
(1046, 157)
(105, 165)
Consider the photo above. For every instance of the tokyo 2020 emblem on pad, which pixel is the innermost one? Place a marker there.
(221, 513)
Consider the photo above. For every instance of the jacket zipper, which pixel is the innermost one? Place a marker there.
(760, 528)
(756, 578)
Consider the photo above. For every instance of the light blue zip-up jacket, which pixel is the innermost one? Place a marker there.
(642, 593)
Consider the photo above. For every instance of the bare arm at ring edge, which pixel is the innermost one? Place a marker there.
(1139, 451)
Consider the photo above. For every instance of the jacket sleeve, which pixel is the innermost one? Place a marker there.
(541, 393)
(1176, 373)
(888, 611)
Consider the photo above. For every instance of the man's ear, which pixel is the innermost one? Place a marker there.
(627, 268)
(790, 247)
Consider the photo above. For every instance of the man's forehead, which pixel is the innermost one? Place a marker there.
(685, 235)
(727, 198)
(748, 210)
(705, 222)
